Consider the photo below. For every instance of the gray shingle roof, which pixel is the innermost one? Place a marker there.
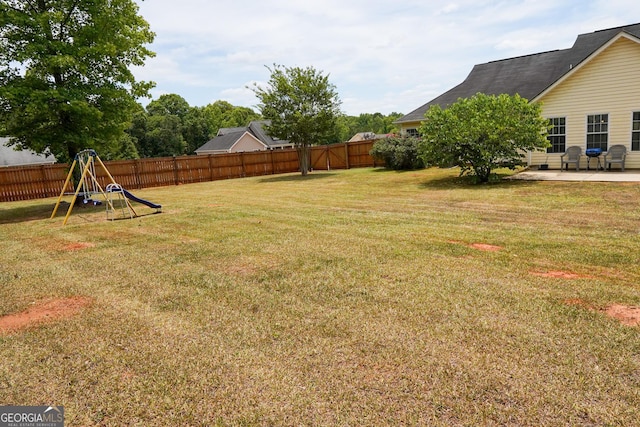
(222, 142)
(11, 157)
(527, 75)
(228, 136)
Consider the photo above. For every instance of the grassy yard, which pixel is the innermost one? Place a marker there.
(343, 298)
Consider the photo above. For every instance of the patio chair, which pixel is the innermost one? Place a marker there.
(572, 155)
(616, 154)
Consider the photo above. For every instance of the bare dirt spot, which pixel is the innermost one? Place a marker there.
(485, 247)
(43, 312)
(479, 246)
(627, 315)
(560, 275)
(77, 246)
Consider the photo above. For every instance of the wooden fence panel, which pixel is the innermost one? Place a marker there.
(285, 161)
(124, 172)
(257, 163)
(320, 157)
(358, 154)
(192, 169)
(227, 166)
(32, 182)
(338, 156)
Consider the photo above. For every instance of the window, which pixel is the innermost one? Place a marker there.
(413, 132)
(557, 135)
(598, 131)
(635, 132)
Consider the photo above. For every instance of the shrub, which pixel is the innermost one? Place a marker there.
(398, 153)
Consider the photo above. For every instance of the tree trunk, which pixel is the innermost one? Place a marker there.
(304, 157)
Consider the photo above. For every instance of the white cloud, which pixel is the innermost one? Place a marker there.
(383, 55)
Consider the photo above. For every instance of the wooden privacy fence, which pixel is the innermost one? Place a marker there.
(41, 181)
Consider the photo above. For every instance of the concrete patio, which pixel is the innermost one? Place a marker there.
(582, 175)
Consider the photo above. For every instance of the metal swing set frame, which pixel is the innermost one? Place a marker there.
(88, 183)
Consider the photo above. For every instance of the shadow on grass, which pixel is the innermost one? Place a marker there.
(43, 211)
(298, 178)
(29, 213)
(468, 182)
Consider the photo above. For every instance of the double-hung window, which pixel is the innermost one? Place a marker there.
(635, 131)
(598, 131)
(557, 135)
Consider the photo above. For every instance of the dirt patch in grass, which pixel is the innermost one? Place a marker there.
(479, 246)
(77, 246)
(560, 274)
(627, 315)
(485, 247)
(43, 312)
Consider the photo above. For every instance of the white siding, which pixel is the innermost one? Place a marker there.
(609, 83)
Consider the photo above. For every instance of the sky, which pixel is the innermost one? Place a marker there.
(382, 55)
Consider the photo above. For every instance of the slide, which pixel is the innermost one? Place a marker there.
(138, 200)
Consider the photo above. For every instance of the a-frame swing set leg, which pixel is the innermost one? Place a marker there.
(86, 174)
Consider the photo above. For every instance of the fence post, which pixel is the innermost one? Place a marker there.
(175, 170)
(244, 170)
(210, 167)
(346, 155)
(273, 163)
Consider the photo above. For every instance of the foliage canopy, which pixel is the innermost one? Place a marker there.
(398, 152)
(302, 106)
(65, 82)
(482, 133)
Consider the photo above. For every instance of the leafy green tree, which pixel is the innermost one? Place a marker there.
(302, 106)
(162, 137)
(169, 104)
(221, 114)
(65, 82)
(376, 123)
(482, 133)
(195, 129)
(398, 153)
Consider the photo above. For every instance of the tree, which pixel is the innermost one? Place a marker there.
(65, 82)
(158, 135)
(398, 153)
(169, 104)
(302, 106)
(482, 133)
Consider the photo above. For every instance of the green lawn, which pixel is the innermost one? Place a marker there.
(341, 298)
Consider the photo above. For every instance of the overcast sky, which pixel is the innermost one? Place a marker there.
(382, 55)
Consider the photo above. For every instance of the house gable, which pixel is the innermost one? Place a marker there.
(529, 76)
(249, 138)
(248, 142)
(604, 83)
(574, 69)
(232, 142)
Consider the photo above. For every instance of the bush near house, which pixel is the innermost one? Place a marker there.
(398, 153)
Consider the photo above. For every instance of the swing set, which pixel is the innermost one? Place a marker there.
(116, 198)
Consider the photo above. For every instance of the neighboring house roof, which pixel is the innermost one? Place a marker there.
(11, 157)
(222, 143)
(228, 137)
(367, 136)
(529, 76)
